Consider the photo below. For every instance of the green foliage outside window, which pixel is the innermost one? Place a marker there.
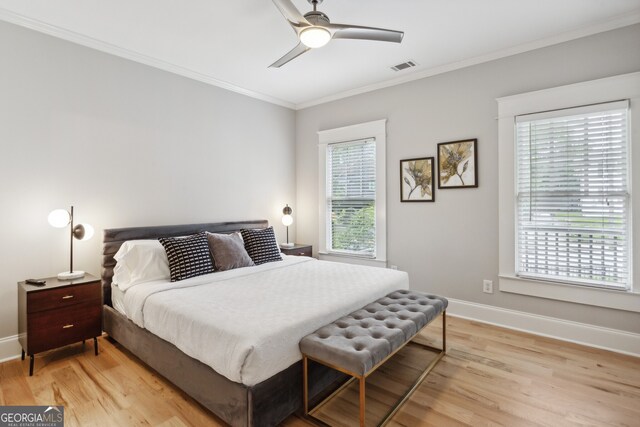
(353, 229)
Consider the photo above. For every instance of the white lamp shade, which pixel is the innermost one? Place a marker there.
(59, 218)
(287, 220)
(314, 37)
(88, 231)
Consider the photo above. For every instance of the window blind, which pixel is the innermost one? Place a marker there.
(573, 199)
(351, 197)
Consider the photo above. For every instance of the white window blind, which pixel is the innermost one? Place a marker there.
(573, 219)
(351, 197)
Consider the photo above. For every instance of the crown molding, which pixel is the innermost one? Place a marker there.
(612, 24)
(77, 38)
(71, 36)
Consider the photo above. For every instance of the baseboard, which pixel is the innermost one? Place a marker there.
(565, 330)
(9, 348)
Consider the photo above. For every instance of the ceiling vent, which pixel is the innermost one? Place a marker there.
(403, 66)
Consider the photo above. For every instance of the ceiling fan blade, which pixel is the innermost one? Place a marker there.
(341, 31)
(290, 13)
(293, 53)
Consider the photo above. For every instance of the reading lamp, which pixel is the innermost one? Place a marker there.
(60, 218)
(287, 220)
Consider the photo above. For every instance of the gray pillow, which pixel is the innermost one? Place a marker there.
(228, 251)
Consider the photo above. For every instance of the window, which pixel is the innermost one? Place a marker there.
(572, 199)
(352, 195)
(566, 206)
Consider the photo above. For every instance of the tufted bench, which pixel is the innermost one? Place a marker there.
(362, 341)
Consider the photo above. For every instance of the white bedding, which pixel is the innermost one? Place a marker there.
(117, 299)
(246, 323)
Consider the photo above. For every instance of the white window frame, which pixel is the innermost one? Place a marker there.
(621, 87)
(376, 130)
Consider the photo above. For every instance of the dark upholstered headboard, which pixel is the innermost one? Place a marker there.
(115, 237)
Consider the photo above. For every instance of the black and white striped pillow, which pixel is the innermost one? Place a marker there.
(188, 256)
(261, 245)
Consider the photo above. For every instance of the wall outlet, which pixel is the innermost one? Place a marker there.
(393, 267)
(487, 286)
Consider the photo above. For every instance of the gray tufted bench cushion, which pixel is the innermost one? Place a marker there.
(361, 340)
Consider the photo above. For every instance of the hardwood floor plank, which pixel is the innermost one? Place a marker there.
(490, 376)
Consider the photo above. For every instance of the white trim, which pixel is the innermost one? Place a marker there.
(377, 130)
(618, 299)
(9, 348)
(614, 88)
(625, 86)
(371, 262)
(621, 106)
(53, 30)
(580, 333)
(612, 24)
(81, 39)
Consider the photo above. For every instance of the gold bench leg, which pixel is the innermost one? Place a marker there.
(444, 331)
(305, 384)
(362, 400)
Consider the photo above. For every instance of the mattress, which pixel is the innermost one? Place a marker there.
(246, 323)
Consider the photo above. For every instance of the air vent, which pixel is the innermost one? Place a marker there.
(403, 66)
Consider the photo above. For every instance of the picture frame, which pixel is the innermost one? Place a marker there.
(416, 180)
(458, 164)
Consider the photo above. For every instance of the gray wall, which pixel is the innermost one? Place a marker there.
(450, 246)
(128, 145)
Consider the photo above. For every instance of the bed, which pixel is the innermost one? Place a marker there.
(230, 339)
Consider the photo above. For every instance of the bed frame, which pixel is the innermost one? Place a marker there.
(265, 404)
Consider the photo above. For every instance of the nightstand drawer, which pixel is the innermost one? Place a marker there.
(55, 328)
(301, 252)
(63, 297)
(298, 250)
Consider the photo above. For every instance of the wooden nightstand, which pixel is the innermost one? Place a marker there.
(297, 249)
(60, 313)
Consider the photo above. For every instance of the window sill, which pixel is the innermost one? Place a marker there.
(620, 300)
(352, 259)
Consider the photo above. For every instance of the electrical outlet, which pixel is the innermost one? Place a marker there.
(393, 267)
(487, 286)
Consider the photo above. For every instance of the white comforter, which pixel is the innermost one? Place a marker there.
(246, 323)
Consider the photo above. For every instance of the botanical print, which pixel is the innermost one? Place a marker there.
(457, 164)
(416, 183)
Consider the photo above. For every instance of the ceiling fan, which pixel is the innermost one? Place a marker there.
(315, 30)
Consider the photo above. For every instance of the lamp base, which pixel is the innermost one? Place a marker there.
(287, 245)
(70, 275)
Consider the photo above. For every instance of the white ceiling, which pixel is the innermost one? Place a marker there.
(231, 43)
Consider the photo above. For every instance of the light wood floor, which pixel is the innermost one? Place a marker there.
(489, 377)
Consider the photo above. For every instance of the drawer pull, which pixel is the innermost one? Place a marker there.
(67, 297)
(67, 326)
(301, 253)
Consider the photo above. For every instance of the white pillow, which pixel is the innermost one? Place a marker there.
(140, 261)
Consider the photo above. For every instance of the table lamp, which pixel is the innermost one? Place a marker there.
(287, 220)
(61, 218)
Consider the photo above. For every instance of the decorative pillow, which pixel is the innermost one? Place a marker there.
(261, 245)
(228, 251)
(140, 261)
(188, 256)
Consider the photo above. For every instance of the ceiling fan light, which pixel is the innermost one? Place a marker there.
(314, 37)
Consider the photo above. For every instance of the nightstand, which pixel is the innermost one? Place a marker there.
(298, 249)
(60, 313)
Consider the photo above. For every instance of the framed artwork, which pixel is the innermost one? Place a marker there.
(458, 164)
(416, 180)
